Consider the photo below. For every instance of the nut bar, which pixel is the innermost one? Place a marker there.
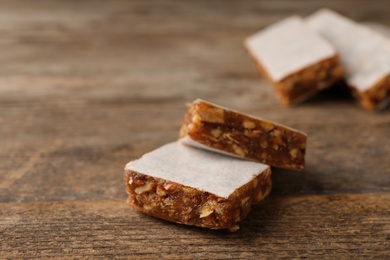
(213, 127)
(195, 187)
(293, 58)
(364, 53)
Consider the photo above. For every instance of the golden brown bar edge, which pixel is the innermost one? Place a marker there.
(244, 136)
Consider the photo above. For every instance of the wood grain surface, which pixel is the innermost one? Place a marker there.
(86, 86)
(295, 226)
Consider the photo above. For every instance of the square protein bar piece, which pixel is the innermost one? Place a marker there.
(297, 61)
(364, 53)
(191, 186)
(209, 126)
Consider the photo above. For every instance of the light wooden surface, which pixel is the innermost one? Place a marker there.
(86, 86)
(295, 226)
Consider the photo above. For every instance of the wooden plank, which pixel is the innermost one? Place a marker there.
(350, 225)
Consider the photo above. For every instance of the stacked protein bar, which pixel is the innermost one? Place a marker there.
(302, 56)
(214, 174)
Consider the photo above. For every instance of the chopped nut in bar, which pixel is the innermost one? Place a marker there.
(195, 187)
(364, 53)
(297, 61)
(209, 126)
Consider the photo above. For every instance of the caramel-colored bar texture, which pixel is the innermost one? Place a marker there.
(209, 126)
(364, 53)
(297, 61)
(196, 187)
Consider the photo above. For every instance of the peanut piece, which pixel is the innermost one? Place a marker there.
(267, 126)
(238, 150)
(212, 115)
(294, 153)
(244, 201)
(169, 185)
(248, 124)
(171, 212)
(160, 192)
(250, 133)
(263, 144)
(259, 196)
(187, 211)
(205, 211)
(168, 202)
(196, 119)
(216, 132)
(229, 136)
(246, 206)
(142, 189)
(277, 134)
(147, 207)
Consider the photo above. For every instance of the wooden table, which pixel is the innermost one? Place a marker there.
(86, 86)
